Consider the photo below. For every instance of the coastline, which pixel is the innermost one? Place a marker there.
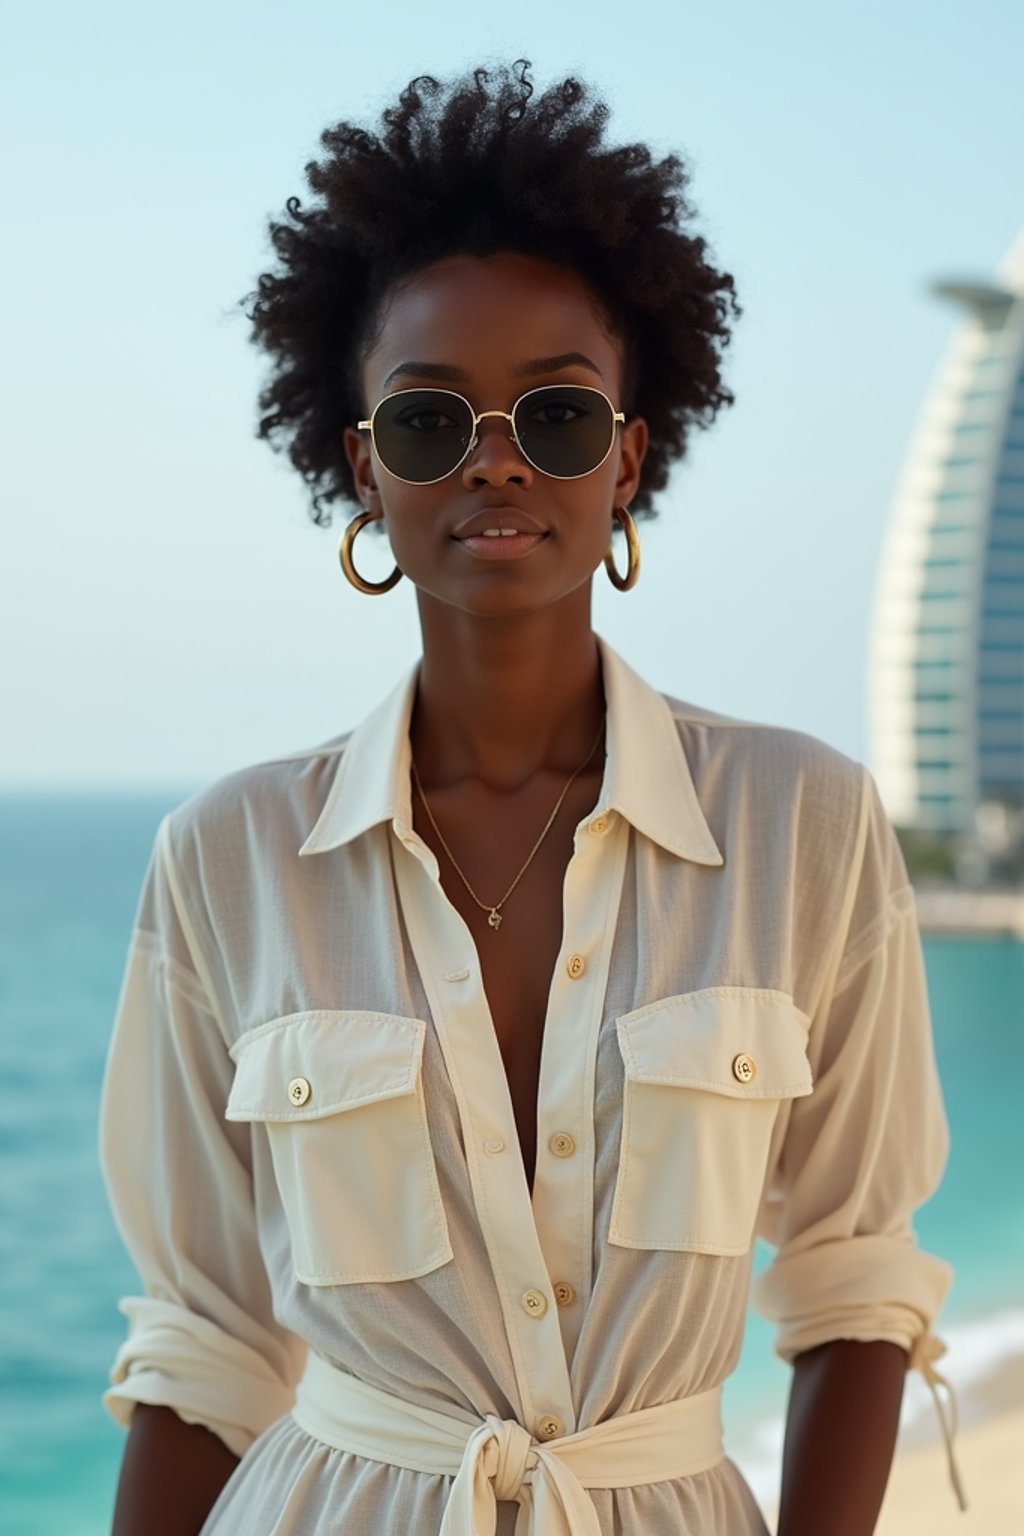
(949, 910)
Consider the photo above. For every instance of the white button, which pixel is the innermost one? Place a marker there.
(535, 1303)
(565, 1295)
(497, 1145)
(744, 1068)
(299, 1091)
(562, 1144)
(548, 1427)
(457, 975)
(599, 826)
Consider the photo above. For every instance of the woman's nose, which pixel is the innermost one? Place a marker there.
(495, 457)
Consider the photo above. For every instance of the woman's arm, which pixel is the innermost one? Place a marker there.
(171, 1475)
(203, 1345)
(841, 1424)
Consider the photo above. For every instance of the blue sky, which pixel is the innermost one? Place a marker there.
(167, 610)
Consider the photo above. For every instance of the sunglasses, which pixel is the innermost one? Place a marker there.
(422, 435)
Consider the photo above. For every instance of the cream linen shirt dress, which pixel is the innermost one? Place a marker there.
(309, 1144)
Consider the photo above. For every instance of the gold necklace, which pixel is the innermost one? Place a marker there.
(493, 913)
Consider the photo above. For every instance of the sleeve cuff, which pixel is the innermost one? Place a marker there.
(855, 1288)
(180, 1360)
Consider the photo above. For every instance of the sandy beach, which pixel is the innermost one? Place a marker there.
(989, 1453)
(920, 1501)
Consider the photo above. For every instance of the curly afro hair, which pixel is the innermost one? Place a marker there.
(476, 168)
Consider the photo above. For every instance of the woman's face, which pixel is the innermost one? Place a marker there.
(491, 328)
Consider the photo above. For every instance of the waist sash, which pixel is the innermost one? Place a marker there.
(492, 1458)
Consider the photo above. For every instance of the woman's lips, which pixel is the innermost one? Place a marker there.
(510, 547)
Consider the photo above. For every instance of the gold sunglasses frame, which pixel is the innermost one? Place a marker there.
(479, 416)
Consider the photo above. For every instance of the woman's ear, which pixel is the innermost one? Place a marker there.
(357, 451)
(634, 441)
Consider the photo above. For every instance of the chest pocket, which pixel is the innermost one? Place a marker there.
(341, 1095)
(705, 1073)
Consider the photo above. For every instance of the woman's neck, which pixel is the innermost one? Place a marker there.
(499, 699)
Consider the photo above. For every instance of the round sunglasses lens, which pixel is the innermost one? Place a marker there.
(566, 430)
(422, 434)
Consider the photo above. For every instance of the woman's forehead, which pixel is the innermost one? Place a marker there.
(507, 316)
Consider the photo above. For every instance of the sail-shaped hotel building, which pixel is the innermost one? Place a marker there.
(946, 665)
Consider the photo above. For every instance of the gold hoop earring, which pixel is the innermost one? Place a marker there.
(623, 583)
(348, 538)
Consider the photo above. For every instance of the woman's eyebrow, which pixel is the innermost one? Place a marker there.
(449, 374)
(444, 371)
(553, 364)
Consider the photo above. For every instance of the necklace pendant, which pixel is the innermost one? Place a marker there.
(494, 918)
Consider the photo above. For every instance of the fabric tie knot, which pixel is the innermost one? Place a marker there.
(927, 1349)
(507, 1455)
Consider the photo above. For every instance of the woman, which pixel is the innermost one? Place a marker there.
(460, 1060)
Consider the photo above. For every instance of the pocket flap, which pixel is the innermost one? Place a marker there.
(310, 1064)
(746, 1042)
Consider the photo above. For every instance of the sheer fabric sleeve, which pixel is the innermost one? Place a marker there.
(869, 1145)
(202, 1338)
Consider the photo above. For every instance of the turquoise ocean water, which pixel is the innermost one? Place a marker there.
(70, 871)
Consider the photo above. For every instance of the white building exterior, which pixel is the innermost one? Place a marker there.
(946, 664)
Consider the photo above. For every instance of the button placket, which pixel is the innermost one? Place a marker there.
(501, 1194)
(563, 1182)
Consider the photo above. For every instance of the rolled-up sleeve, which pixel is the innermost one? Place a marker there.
(203, 1339)
(868, 1146)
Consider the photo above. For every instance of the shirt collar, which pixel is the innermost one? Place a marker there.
(647, 777)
